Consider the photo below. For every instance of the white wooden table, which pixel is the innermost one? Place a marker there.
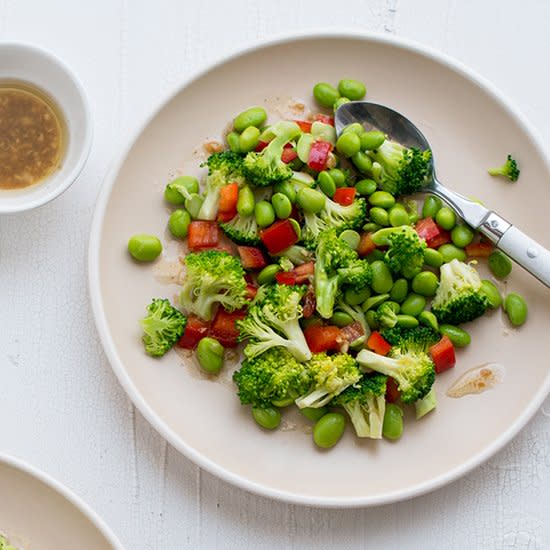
(61, 407)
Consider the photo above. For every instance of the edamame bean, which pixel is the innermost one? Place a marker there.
(371, 227)
(233, 141)
(382, 279)
(338, 176)
(352, 89)
(515, 307)
(351, 237)
(425, 283)
(325, 94)
(372, 319)
(406, 321)
(144, 248)
(210, 355)
(397, 216)
(383, 199)
(428, 319)
(362, 162)
(326, 183)
(286, 188)
(245, 202)
(372, 140)
(314, 414)
(348, 144)
(193, 205)
(355, 297)
(499, 264)
(267, 274)
(355, 128)
(458, 336)
(432, 257)
(379, 216)
(249, 139)
(328, 430)
(281, 205)
(374, 301)
(392, 427)
(340, 101)
(296, 227)
(413, 305)
(268, 418)
(431, 206)
(255, 116)
(445, 218)
(366, 187)
(491, 291)
(451, 252)
(462, 235)
(375, 255)
(178, 223)
(264, 213)
(341, 319)
(399, 290)
(310, 200)
(181, 188)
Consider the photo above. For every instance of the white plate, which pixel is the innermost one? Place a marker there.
(471, 127)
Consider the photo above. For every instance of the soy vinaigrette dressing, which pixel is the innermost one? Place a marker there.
(33, 135)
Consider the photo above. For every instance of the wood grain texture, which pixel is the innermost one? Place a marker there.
(62, 408)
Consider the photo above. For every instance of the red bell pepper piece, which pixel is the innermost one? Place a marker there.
(226, 216)
(279, 236)
(251, 257)
(251, 291)
(366, 245)
(378, 343)
(320, 117)
(479, 250)
(289, 154)
(323, 338)
(344, 195)
(229, 194)
(443, 355)
(434, 235)
(309, 303)
(318, 155)
(297, 276)
(304, 125)
(203, 234)
(224, 328)
(261, 146)
(195, 330)
(444, 237)
(392, 391)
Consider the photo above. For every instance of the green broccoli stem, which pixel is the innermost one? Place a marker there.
(425, 405)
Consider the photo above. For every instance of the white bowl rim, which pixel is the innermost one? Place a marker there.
(117, 364)
(59, 488)
(73, 175)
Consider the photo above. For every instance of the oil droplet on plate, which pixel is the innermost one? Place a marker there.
(477, 380)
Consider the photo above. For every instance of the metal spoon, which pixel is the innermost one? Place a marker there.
(521, 248)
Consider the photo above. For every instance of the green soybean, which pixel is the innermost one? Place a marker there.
(144, 248)
(425, 283)
(193, 205)
(210, 355)
(180, 188)
(399, 290)
(398, 216)
(245, 202)
(383, 199)
(413, 305)
(296, 227)
(314, 414)
(458, 336)
(499, 264)
(255, 116)
(178, 223)
(328, 430)
(286, 188)
(428, 319)
(382, 280)
(366, 187)
(233, 141)
(340, 101)
(431, 206)
(379, 216)
(462, 235)
(515, 307)
(264, 213)
(362, 162)
(338, 176)
(352, 89)
(268, 418)
(282, 205)
(491, 291)
(325, 94)
(326, 183)
(451, 252)
(372, 140)
(375, 255)
(392, 427)
(374, 301)
(341, 319)
(310, 200)
(355, 297)
(432, 257)
(406, 321)
(267, 274)
(371, 227)
(249, 139)
(351, 237)
(348, 144)
(372, 319)
(446, 218)
(354, 128)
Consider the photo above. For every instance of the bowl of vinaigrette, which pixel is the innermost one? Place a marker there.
(45, 127)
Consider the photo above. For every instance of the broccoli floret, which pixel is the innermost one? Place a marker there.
(297, 254)
(508, 170)
(223, 168)
(272, 376)
(162, 327)
(358, 316)
(212, 277)
(423, 337)
(425, 405)
(332, 374)
(356, 274)
(274, 321)
(409, 365)
(366, 404)
(242, 230)
(386, 315)
(266, 167)
(332, 254)
(400, 170)
(405, 254)
(458, 298)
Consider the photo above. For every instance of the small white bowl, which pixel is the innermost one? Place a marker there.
(45, 71)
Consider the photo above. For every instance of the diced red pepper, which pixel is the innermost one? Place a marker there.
(344, 195)
(392, 391)
(295, 213)
(323, 338)
(304, 125)
(320, 117)
(251, 257)
(195, 330)
(318, 155)
(251, 291)
(378, 343)
(479, 250)
(309, 303)
(261, 146)
(444, 237)
(279, 236)
(289, 154)
(303, 271)
(229, 194)
(443, 355)
(224, 328)
(224, 217)
(203, 234)
(434, 235)
(297, 276)
(366, 245)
